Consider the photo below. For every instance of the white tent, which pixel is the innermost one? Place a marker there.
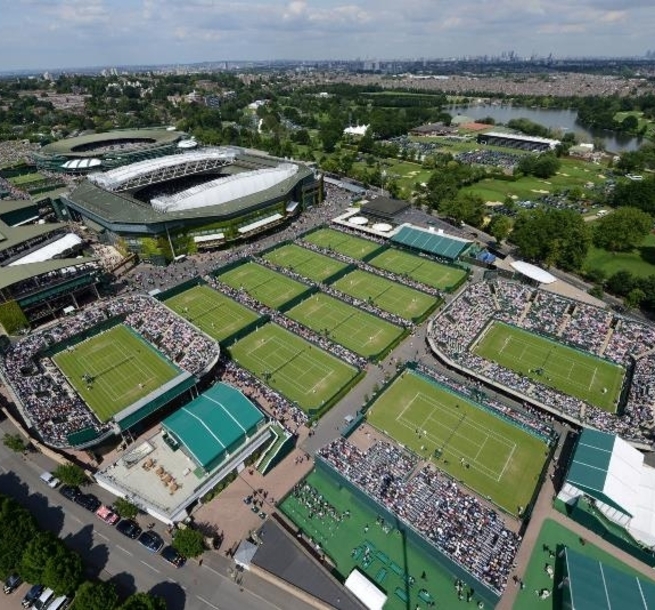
(365, 591)
(533, 272)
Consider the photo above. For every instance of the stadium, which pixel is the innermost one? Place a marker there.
(108, 150)
(176, 205)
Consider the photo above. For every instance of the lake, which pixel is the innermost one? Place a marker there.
(563, 120)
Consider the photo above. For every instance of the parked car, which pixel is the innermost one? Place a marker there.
(173, 557)
(107, 515)
(152, 541)
(129, 528)
(32, 595)
(88, 501)
(70, 492)
(12, 583)
(50, 480)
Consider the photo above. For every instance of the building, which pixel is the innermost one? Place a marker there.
(437, 243)
(518, 140)
(432, 130)
(194, 450)
(612, 475)
(205, 198)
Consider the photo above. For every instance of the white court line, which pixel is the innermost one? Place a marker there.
(507, 463)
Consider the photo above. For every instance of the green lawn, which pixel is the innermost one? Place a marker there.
(26, 179)
(551, 536)
(212, 312)
(558, 366)
(267, 286)
(359, 331)
(390, 296)
(299, 370)
(393, 558)
(493, 457)
(418, 268)
(307, 263)
(343, 243)
(640, 262)
(122, 367)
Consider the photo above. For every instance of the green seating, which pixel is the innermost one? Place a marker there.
(400, 592)
(425, 595)
(382, 557)
(396, 569)
(357, 553)
(381, 575)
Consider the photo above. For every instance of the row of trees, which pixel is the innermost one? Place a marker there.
(41, 557)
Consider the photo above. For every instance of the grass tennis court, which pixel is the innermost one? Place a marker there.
(301, 371)
(267, 286)
(358, 330)
(418, 268)
(212, 312)
(558, 366)
(490, 455)
(120, 368)
(390, 296)
(393, 560)
(307, 263)
(350, 245)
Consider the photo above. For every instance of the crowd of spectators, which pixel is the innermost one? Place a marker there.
(598, 331)
(456, 522)
(495, 158)
(49, 401)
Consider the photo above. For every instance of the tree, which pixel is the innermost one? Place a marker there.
(442, 187)
(500, 227)
(622, 230)
(71, 474)
(637, 194)
(620, 283)
(42, 547)
(17, 528)
(14, 442)
(189, 542)
(63, 572)
(634, 298)
(95, 596)
(125, 508)
(144, 601)
(466, 207)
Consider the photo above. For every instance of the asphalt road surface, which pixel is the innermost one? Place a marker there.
(111, 556)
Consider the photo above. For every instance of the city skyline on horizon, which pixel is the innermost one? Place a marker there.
(64, 33)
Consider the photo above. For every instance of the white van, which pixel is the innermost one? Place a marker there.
(60, 603)
(44, 600)
(50, 479)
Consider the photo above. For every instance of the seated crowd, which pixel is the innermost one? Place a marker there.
(51, 404)
(456, 522)
(585, 327)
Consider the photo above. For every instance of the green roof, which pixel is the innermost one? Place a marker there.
(18, 273)
(593, 585)
(433, 243)
(214, 424)
(17, 235)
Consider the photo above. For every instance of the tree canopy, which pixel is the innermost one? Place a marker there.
(144, 601)
(95, 596)
(500, 227)
(636, 194)
(189, 542)
(465, 207)
(622, 230)
(125, 508)
(17, 528)
(541, 166)
(71, 474)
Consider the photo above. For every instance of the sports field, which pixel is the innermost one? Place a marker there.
(113, 370)
(386, 294)
(393, 563)
(350, 245)
(420, 269)
(307, 263)
(301, 371)
(490, 455)
(212, 312)
(359, 331)
(267, 286)
(558, 366)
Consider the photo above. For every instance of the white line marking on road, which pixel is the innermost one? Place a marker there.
(118, 546)
(169, 579)
(202, 599)
(145, 563)
(101, 536)
(77, 519)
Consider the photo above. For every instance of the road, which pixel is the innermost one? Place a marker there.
(111, 556)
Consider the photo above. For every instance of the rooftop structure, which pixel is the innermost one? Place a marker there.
(433, 242)
(384, 208)
(518, 140)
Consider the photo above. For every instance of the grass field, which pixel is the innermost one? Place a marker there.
(122, 366)
(418, 268)
(301, 371)
(26, 179)
(267, 286)
(355, 247)
(640, 261)
(393, 559)
(358, 330)
(212, 312)
(386, 294)
(307, 263)
(576, 373)
(490, 455)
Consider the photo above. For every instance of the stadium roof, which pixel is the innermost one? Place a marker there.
(13, 275)
(215, 423)
(13, 236)
(593, 585)
(523, 138)
(67, 146)
(59, 246)
(533, 272)
(365, 591)
(434, 242)
(384, 207)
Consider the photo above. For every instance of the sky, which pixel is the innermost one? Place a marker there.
(50, 34)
